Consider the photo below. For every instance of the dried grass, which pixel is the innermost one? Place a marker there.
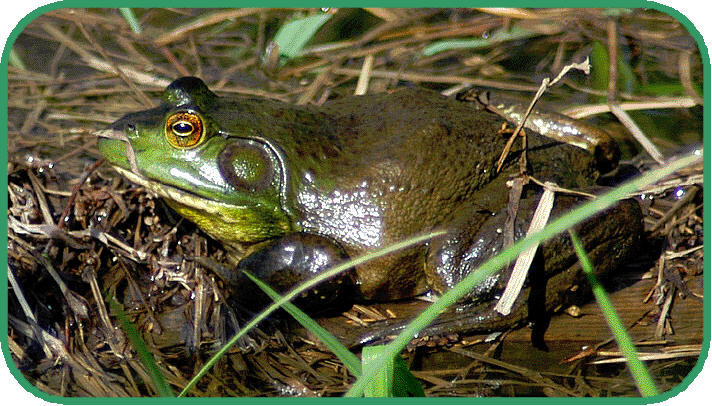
(84, 68)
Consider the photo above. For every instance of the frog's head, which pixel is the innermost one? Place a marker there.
(230, 183)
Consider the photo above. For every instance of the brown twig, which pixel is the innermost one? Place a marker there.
(612, 35)
(97, 47)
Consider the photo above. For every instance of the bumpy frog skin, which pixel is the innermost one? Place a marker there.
(291, 190)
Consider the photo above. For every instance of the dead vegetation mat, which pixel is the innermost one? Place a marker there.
(83, 244)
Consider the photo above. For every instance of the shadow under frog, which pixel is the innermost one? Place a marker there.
(293, 190)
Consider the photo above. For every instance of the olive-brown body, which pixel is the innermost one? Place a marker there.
(356, 174)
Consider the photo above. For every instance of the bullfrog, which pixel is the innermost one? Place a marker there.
(293, 190)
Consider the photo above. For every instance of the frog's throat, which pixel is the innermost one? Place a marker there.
(228, 223)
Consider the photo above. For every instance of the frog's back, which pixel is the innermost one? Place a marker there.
(428, 139)
(416, 155)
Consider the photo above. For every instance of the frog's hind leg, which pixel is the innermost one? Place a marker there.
(553, 278)
(534, 306)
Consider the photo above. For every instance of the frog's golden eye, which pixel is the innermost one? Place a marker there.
(184, 130)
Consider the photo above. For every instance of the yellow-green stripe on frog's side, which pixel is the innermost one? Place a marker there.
(292, 190)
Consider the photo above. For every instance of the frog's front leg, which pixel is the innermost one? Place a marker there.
(289, 260)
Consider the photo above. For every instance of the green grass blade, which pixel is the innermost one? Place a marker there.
(15, 60)
(159, 381)
(293, 35)
(497, 37)
(404, 383)
(560, 225)
(382, 385)
(599, 67)
(600, 72)
(642, 377)
(130, 18)
(394, 380)
(347, 357)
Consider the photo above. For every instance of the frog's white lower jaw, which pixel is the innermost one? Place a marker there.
(175, 194)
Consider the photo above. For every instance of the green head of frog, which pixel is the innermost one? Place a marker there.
(226, 180)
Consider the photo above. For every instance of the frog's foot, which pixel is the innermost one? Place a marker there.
(448, 327)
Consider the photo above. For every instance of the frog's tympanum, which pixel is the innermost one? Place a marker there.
(292, 190)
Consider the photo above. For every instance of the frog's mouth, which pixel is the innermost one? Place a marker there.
(230, 223)
(181, 196)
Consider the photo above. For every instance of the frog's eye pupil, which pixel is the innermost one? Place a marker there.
(184, 129)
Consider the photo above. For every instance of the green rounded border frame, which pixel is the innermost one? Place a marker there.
(668, 395)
